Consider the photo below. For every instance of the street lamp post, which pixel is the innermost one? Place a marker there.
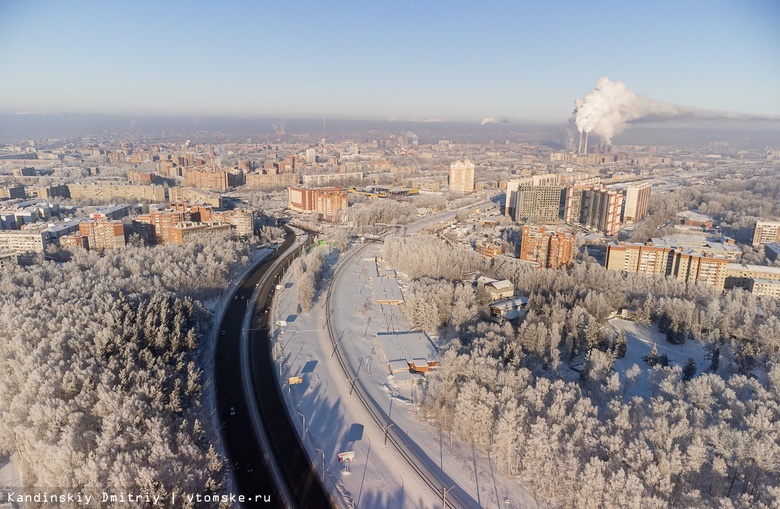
(444, 491)
(387, 429)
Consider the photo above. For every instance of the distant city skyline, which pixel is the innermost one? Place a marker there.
(464, 62)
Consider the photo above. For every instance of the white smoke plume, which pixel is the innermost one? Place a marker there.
(494, 120)
(609, 107)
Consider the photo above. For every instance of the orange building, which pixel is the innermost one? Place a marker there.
(549, 249)
(329, 202)
(103, 235)
(160, 221)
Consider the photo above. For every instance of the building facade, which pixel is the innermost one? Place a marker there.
(594, 207)
(329, 202)
(681, 264)
(103, 235)
(462, 176)
(766, 232)
(637, 202)
(550, 249)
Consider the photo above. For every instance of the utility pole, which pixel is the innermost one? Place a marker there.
(387, 429)
(444, 490)
(352, 385)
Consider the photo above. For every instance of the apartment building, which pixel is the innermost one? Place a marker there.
(330, 203)
(119, 192)
(766, 232)
(679, 263)
(261, 181)
(22, 241)
(548, 248)
(462, 176)
(637, 202)
(103, 235)
(593, 207)
(513, 187)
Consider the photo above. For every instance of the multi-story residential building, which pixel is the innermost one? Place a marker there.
(330, 203)
(180, 233)
(103, 235)
(121, 192)
(243, 221)
(514, 185)
(190, 195)
(681, 264)
(219, 180)
(462, 176)
(22, 241)
(537, 204)
(259, 181)
(637, 202)
(330, 178)
(74, 240)
(745, 276)
(53, 191)
(766, 232)
(549, 248)
(160, 221)
(594, 207)
(13, 192)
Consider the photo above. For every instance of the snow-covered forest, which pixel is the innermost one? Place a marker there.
(697, 441)
(101, 384)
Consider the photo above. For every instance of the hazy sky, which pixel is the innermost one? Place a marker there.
(527, 60)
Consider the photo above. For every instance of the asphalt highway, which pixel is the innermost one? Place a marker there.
(253, 465)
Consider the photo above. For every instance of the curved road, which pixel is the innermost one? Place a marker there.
(253, 465)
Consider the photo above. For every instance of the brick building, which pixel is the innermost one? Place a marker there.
(550, 249)
(103, 235)
(330, 203)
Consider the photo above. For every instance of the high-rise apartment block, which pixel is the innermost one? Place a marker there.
(766, 232)
(514, 185)
(329, 202)
(681, 264)
(462, 176)
(550, 249)
(637, 202)
(594, 207)
(103, 235)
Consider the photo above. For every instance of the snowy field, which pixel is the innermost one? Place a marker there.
(640, 339)
(336, 422)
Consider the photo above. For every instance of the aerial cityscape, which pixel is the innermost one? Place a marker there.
(346, 255)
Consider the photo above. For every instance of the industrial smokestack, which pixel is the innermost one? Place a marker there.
(611, 106)
(586, 142)
(579, 148)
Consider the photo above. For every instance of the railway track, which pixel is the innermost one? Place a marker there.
(385, 424)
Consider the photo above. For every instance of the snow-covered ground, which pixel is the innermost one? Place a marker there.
(336, 422)
(640, 339)
(10, 477)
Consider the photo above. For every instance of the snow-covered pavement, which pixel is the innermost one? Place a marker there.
(335, 422)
